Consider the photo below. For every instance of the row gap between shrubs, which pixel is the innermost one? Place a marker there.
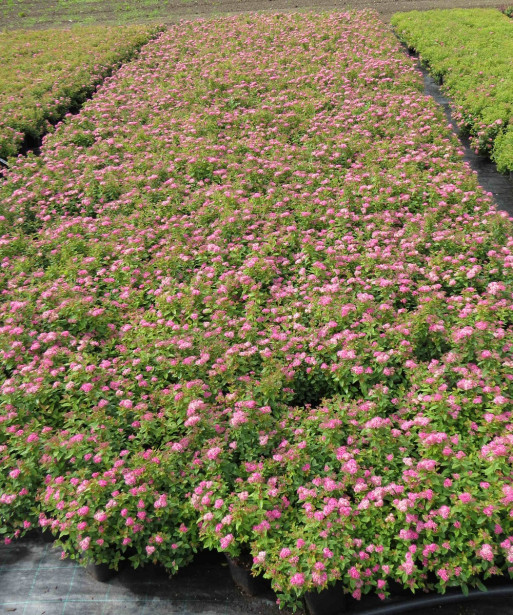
(500, 186)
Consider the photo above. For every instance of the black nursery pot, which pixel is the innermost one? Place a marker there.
(397, 590)
(330, 601)
(39, 535)
(101, 572)
(242, 577)
(47, 537)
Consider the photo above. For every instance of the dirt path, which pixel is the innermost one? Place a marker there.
(67, 13)
(386, 8)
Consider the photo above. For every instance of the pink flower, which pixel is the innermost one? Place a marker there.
(466, 384)
(192, 420)
(226, 541)
(213, 453)
(443, 573)
(239, 418)
(463, 333)
(161, 501)
(297, 580)
(354, 573)
(486, 552)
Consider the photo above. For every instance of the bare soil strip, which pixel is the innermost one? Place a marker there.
(61, 13)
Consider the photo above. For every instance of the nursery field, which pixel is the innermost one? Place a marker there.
(15, 14)
(44, 75)
(253, 300)
(471, 51)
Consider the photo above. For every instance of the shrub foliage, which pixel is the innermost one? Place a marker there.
(45, 74)
(252, 299)
(470, 50)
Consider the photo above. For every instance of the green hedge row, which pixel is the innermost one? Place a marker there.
(471, 51)
(43, 75)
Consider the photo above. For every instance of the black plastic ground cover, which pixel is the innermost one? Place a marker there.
(330, 600)
(249, 584)
(500, 186)
(333, 601)
(457, 598)
(34, 580)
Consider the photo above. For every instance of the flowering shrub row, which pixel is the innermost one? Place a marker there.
(470, 49)
(252, 299)
(507, 10)
(45, 74)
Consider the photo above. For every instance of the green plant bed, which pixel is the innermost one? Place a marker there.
(470, 50)
(45, 74)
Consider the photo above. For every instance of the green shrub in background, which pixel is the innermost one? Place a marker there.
(507, 10)
(503, 150)
(45, 74)
(471, 51)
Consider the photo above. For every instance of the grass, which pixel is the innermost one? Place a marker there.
(15, 14)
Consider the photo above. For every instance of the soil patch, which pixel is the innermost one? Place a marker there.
(68, 13)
